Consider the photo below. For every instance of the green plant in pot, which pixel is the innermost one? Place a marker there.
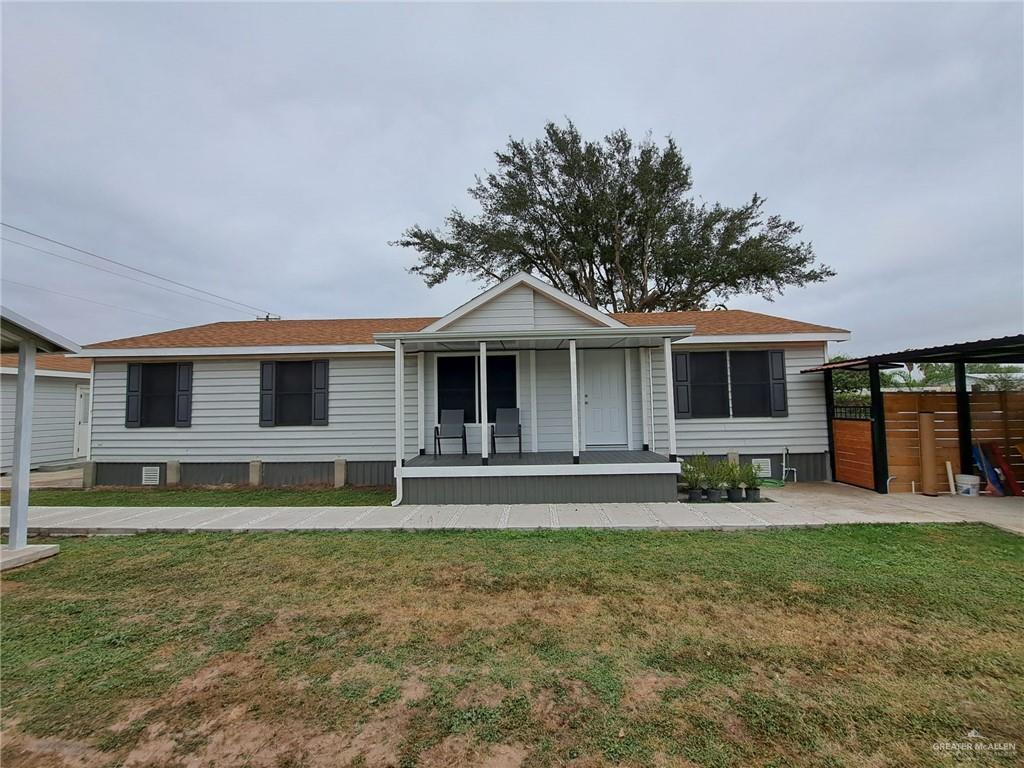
(718, 480)
(734, 491)
(751, 481)
(693, 478)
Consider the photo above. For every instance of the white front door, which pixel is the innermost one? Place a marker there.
(604, 396)
(81, 420)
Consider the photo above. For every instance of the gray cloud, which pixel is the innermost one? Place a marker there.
(270, 152)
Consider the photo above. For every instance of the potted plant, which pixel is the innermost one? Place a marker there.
(718, 480)
(692, 477)
(751, 481)
(734, 492)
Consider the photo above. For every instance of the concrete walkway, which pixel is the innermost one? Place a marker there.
(802, 505)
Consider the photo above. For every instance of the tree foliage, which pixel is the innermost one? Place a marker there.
(613, 223)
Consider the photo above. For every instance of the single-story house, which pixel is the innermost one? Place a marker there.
(293, 401)
(60, 411)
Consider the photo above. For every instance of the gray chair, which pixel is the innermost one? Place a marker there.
(452, 427)
(506, 424)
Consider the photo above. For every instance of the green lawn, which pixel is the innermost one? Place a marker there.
(853, 646)
(207, 497)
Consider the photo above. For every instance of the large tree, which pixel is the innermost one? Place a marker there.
(613, 223)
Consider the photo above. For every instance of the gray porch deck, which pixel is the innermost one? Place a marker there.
(545, 458)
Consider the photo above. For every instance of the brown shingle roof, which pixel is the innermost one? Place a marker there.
(725, 322)
(53, 362)
(258, 333)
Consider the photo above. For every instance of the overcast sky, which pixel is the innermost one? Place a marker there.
(269, 152)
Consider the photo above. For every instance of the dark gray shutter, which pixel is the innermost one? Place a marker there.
(133, 396)
(268, 371)
(320, 386)
(681, 384)
(777, 367)
(183, 395)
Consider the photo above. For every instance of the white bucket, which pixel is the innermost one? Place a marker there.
(967, 485)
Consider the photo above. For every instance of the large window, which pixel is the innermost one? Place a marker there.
(456, 386)
(458, 379)
(744, 383)
(709, 384)
(158, 395)
(751, 384)
(293, 393)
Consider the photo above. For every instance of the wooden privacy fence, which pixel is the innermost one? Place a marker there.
(996, 417)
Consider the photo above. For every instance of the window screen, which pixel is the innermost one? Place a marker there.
(501, 384)
(293, 389)
(456, 386)
(157, 390)
(751, 384)
(709, 384)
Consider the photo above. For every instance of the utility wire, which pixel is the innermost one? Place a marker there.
(135, 269)
(126, 277)
(82, 298)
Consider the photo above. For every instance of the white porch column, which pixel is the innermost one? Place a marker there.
(645, 400)
(18, 536)
(628, 354)
(484, 446)
(421, 429)
(670, 400)
(399, 404)
(574, 401)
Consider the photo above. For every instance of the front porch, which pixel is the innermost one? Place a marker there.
(547, 458)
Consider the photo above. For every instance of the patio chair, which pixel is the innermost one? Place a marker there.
(506, 424)
(452, 427)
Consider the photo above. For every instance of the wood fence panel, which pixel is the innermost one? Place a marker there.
(853, 457)
(996, 417)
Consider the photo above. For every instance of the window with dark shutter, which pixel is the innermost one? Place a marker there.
(158, 389)
(709, 385)
(751, 383)
(293, 394)
(456, 386)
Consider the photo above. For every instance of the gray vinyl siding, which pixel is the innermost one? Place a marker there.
(804, 430)
(520, 309)
(554, 401)
(53, 419)
(225, 416)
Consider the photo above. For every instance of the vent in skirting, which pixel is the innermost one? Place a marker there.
(151, 475)
(764, 467)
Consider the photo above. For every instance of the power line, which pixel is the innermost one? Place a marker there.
(135, 269)
(82, 298)
(126, 277)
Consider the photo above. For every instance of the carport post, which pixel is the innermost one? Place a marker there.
(18, 536)
(963, 418)
(879, 451)
(574, 402)
(670, 400)
(830, 409)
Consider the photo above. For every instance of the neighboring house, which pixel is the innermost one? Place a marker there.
(599, 419)
(60, 413)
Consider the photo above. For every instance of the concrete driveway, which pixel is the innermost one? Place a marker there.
(801, 505)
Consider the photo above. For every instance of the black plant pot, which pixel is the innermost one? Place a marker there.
(695, 494)
(753, 494)
(735, 495)
(714, 494)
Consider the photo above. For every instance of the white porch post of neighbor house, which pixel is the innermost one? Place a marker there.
(483, 404)
(574, 399)
(670, 400)
(421, 429)
(18, 537)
